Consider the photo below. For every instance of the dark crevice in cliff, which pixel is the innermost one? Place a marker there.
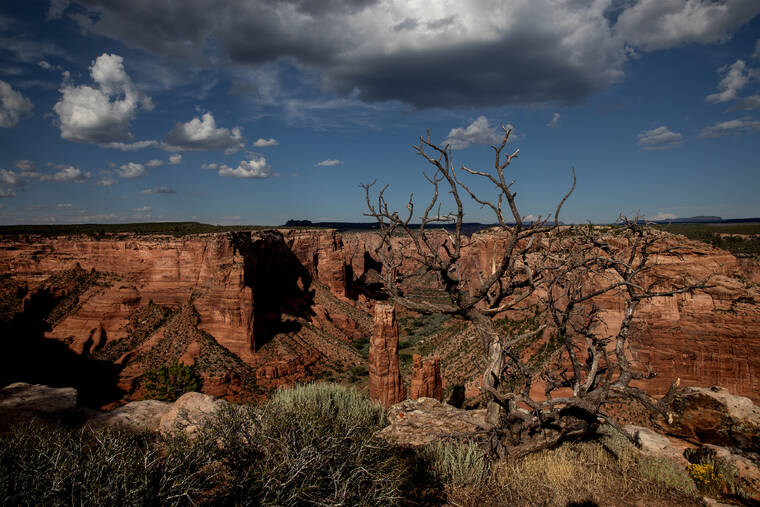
(280, 283)
(27, 356)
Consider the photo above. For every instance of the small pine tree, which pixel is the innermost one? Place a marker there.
(169, 382)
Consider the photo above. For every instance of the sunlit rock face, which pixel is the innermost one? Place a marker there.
(385, 384)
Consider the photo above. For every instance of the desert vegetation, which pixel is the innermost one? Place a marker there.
(314, 444)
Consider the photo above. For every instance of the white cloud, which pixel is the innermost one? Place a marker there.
(329, 162)
(101, 115)
(57, 8)
(736, 76)
(107, 181)
(64, 205)
(657, 24)
(13, 105)
(662, 216)
(24, 165)
(7, 192)
(69, 173)
(131, 170)
(210, 167)
(8, 177)
(747, 104)
(554, 122)
(154, 163)
(257, 167)
(725, 128)
(157, 191)
(143, 209)
(756, 53)
(175, 159)
(479, 131)
(137, 145)
(202, 134)
(265, 143)
(659, 139)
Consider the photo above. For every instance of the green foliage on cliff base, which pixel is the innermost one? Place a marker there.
(169, 382)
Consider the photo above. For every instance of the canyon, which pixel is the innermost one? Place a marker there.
(261, 309)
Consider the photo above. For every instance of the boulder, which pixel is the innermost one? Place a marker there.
(656, 445)
(21, 401)
(414, 423)
(142, 415)
(190, 411)
(715, 416)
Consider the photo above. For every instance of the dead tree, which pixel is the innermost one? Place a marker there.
(565, 269)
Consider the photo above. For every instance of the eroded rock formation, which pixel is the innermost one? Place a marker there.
(385, 383)
(426, 378)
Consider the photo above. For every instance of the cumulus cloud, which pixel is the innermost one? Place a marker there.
(101, 115)
(257, 167)
(554, 122)
(265, 143)
(157, 191)
(479, 131)
(660, 138)
(144, 209)
(210, 166)
(477, 53)
(735, 77)
(202, 134)
(131, 170)
(64, 205)
(662, 216)
(137, 145)
(175, 159)
(7, 192)
(107, 181)
(154, 163)
(13, 105)
(329, 162)
(69, 173)
(729, 127)
(655, 24)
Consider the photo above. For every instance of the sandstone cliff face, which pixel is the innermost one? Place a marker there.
(426, 378)
(289, 302)
(385, 384)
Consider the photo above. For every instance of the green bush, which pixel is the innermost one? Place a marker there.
(169, 382)
(317, 445)
(456, 464)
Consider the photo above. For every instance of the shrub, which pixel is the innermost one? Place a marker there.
(310, 444)
(43, 464)
(169, 382)
(713, 475)
(456, 464)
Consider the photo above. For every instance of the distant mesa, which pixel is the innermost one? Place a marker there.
(298, 223)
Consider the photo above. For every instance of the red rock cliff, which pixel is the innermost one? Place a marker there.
(426, 378)
(385, 384)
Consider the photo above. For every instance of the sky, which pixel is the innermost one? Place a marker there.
(261, 111)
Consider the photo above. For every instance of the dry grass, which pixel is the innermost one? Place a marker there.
(609, 471)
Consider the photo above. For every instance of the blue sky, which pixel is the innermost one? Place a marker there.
(256, 112)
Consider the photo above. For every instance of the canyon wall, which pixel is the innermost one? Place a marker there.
(285, 301)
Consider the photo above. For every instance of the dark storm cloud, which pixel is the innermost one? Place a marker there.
(484, 52)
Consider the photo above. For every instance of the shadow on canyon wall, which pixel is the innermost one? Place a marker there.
(281, 285)
(27, 356)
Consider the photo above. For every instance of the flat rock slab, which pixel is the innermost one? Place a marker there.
(419, 422)
(21, 401)
(136, 416)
